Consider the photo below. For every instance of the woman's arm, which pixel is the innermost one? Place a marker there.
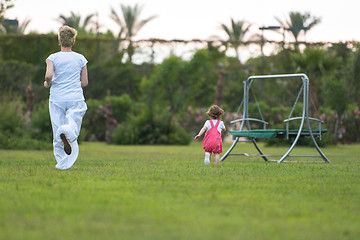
(84, 77)
(49, 73)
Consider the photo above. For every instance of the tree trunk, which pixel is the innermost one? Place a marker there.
(130, 51)
(29, 103)
(313, 99)
(336, 135)
(220, 87)
(110, 122)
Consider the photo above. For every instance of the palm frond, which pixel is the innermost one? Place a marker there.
(87, 20)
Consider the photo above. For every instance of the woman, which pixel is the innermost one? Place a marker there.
(66, 75)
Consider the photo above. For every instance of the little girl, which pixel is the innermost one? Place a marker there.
(212, 142)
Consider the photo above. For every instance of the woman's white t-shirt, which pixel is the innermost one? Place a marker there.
(66, 85)
(219, 128)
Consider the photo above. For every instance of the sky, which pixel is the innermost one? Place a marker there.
(199, 19)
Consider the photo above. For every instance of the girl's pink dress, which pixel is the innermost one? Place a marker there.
(212, 142)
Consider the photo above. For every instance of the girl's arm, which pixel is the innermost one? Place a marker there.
(200, 133)
(49, 73)
(224, 129)
(84, 77)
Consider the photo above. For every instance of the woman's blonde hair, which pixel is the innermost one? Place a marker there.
(215, 112)
(67, 36)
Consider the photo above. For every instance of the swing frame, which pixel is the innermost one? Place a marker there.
(304, 130)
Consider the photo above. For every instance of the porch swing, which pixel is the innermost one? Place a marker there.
(304, 129)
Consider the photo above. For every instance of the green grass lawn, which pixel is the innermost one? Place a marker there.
(166, 192)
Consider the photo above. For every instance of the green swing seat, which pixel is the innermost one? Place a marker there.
(274, 133)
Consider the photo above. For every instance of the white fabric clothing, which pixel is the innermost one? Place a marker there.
(207, 158)
(66, 85)
(66, 117)
(219, 128)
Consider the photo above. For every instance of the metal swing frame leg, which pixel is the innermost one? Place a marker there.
(322, 155)
(305, 120)
(318, 149)
(234, 144)
(230, 149)
(259, 150)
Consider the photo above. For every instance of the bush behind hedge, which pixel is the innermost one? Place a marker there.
(15, 129)
(148, 129)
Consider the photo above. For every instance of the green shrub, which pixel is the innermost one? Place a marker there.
(12, 120)
(23, 143)
(41, 124)
(113, 80)
(122, 106)
(98, 113)
(179, 135)
(350, 125)
(16, 77)
(15, 131)
(94, 120)
(147, 129)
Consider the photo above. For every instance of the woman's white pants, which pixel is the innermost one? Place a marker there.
(66, 117)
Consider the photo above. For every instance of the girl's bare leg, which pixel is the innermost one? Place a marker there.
(216, 158)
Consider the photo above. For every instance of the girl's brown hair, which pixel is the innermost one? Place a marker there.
(67, 36)
(215, 112)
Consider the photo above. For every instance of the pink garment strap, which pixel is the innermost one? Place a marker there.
(211, 123)
(216, 125)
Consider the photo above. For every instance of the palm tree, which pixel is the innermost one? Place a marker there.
(4, 5)
(129, 23)
(74, 21)
(298, 22)
(23, 25)
(13, 26)
(236, 34)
